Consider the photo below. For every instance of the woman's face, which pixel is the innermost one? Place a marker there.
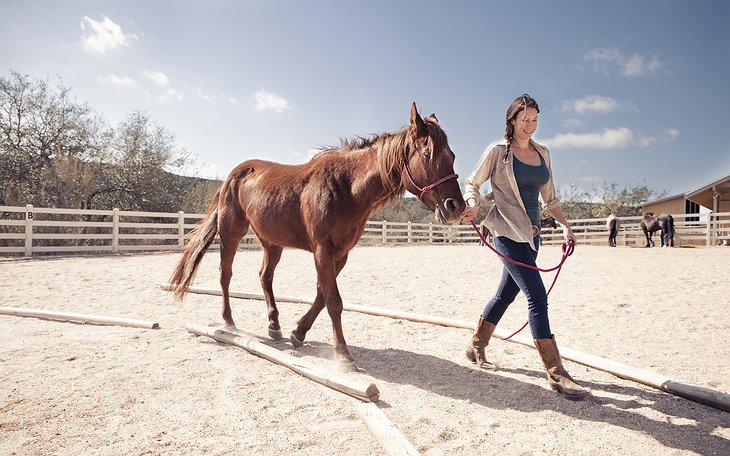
(525, 124)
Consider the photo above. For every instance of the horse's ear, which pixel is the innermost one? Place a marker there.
(433, 118)
(417, 122)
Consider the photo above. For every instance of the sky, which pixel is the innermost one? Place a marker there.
(631, 92)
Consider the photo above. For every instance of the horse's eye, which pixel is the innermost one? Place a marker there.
(427, 154)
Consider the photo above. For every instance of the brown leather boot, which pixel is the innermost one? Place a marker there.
(479, 341)
(558, 378)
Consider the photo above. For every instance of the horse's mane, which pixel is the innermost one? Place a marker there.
(390, 149)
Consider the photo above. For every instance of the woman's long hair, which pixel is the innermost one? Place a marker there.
(520, 104)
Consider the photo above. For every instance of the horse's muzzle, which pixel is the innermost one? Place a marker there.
(449, 210)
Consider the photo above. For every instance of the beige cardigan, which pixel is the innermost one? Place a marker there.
(508, 216)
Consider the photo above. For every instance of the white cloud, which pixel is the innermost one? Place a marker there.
(269, 101)
(102, 36)
(572, 122)
(607, 139)
(671, 133)
(607, 60)
(638, 65)
(665, 136)
(169, 95)
(596, 104)
(201, 94)
(124, 81)
(158, 77)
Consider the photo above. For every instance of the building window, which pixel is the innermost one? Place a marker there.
(690, 207)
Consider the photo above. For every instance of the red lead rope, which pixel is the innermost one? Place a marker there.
(567, 251)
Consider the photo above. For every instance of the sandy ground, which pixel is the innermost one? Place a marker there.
(71, 389)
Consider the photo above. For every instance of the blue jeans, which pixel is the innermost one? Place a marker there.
(516, 278)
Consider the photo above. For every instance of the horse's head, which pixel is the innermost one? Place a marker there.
(428, 168)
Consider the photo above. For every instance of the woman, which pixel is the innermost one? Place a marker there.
(519, 171)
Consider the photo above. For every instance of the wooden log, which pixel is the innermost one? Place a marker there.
(707, 396)
(392, 440)
(364, 391)
(78, 317)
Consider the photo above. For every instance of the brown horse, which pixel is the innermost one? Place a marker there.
(322, 206)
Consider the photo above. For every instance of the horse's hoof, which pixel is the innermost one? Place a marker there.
(275, 334)
(347, 366)
(294, 341)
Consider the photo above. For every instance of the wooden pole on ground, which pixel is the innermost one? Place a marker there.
(77, 317)
(392, 440)
(364, 391)
(713, 398)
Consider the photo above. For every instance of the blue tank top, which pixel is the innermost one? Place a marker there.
(529, 180)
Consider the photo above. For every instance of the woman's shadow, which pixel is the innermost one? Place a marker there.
(491, 389)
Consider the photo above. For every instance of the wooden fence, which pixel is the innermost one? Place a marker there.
(28, 231)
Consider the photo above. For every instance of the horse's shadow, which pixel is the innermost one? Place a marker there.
(491, 389)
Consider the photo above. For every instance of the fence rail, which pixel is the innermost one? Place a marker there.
(29, 230)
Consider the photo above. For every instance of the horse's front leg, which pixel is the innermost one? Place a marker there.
(327, 270)
(305, 323)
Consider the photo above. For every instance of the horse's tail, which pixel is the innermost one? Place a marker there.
(201, 238)
(670, 222)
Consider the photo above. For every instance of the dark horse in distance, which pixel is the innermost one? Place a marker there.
(663, 223)
(322, 206)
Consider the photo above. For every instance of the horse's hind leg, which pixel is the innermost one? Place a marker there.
(272, 255)
(231, 230)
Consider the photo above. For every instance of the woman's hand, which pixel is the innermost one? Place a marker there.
(471, 210)
(569, 236)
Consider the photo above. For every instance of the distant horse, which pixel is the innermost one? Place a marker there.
(548, 222)
(612, 225)
(322, 206)
(664, 223)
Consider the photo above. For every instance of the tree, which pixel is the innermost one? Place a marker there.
(574, 202)
(40, 124)
(622, 202)
(139, 170)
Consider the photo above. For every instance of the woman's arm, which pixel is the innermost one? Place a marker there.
(482, 172)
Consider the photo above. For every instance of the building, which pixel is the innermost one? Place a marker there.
(714, 196)
(712, 229)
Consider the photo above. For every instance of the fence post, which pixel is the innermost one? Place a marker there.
(430, 232)
(410, 235)
(28, 230)
(181, 229)
(708, 232)
(385, 232)
(115, 230)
